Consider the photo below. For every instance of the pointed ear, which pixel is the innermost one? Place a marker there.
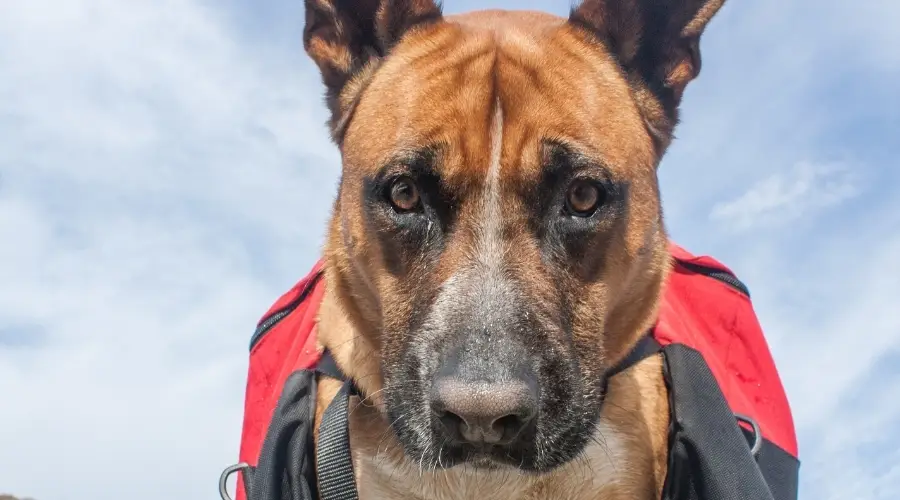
(656, 42)
(346, 37)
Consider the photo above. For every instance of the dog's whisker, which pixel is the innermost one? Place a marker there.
(437, 461)
(598, 438)
(421, 460)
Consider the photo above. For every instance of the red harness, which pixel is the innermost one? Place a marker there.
(704, 308)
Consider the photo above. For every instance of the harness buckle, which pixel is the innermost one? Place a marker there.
(757, 433)
(223, 479)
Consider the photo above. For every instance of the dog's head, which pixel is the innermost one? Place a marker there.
(498, 235)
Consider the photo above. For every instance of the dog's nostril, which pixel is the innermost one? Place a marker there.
(508, 425)
(453, 423)
(477, 429)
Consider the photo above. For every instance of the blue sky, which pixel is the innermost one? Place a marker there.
(165, 174)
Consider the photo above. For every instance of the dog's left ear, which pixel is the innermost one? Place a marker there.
(346, 37)
(656, 42)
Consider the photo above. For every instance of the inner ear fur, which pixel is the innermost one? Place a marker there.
(657, 44)
(346, 38)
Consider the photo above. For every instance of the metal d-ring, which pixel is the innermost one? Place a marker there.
(757, 434)
(223, 479)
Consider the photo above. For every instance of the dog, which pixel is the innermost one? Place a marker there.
(497, 241)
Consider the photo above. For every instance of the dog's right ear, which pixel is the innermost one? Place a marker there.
(657, 44)
(346, 38)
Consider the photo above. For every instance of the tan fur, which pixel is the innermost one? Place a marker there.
(552, 81)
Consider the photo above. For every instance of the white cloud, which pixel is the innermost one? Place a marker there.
(784, 82)
(855, 453)
(784, 197)
(160, 186)
(832, 313)
(162, 182)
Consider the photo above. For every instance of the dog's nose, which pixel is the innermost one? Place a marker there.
(484, 412)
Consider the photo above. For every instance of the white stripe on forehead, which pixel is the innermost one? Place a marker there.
(490, 247)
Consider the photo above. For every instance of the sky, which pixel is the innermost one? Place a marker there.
(166, 173)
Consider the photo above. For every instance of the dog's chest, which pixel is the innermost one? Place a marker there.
(604, 472)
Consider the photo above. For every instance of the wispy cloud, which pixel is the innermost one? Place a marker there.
(165, 174)
(784, 197)
(160, 184)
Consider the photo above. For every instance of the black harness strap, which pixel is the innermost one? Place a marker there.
(334, 462)
(647, 346)
(709, 457)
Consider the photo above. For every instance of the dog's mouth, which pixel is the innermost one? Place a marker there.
(516, 452)
(488, 459)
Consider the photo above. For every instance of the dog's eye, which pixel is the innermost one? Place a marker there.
(404, 195)
(583, 198)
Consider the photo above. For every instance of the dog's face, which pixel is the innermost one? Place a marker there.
(498, 221)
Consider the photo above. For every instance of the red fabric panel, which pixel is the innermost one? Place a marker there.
(289, 346)
(717, 320)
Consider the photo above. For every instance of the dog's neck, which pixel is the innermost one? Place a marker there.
(346, 326)
(625, 459)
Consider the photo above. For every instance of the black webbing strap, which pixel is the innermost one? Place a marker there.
(647, 346)
(334, 463)
(709, 456)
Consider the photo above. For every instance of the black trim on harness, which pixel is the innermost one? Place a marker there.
(724, 276)
(328, 366)
(267, 323)
(334, 462)
(647, 346)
